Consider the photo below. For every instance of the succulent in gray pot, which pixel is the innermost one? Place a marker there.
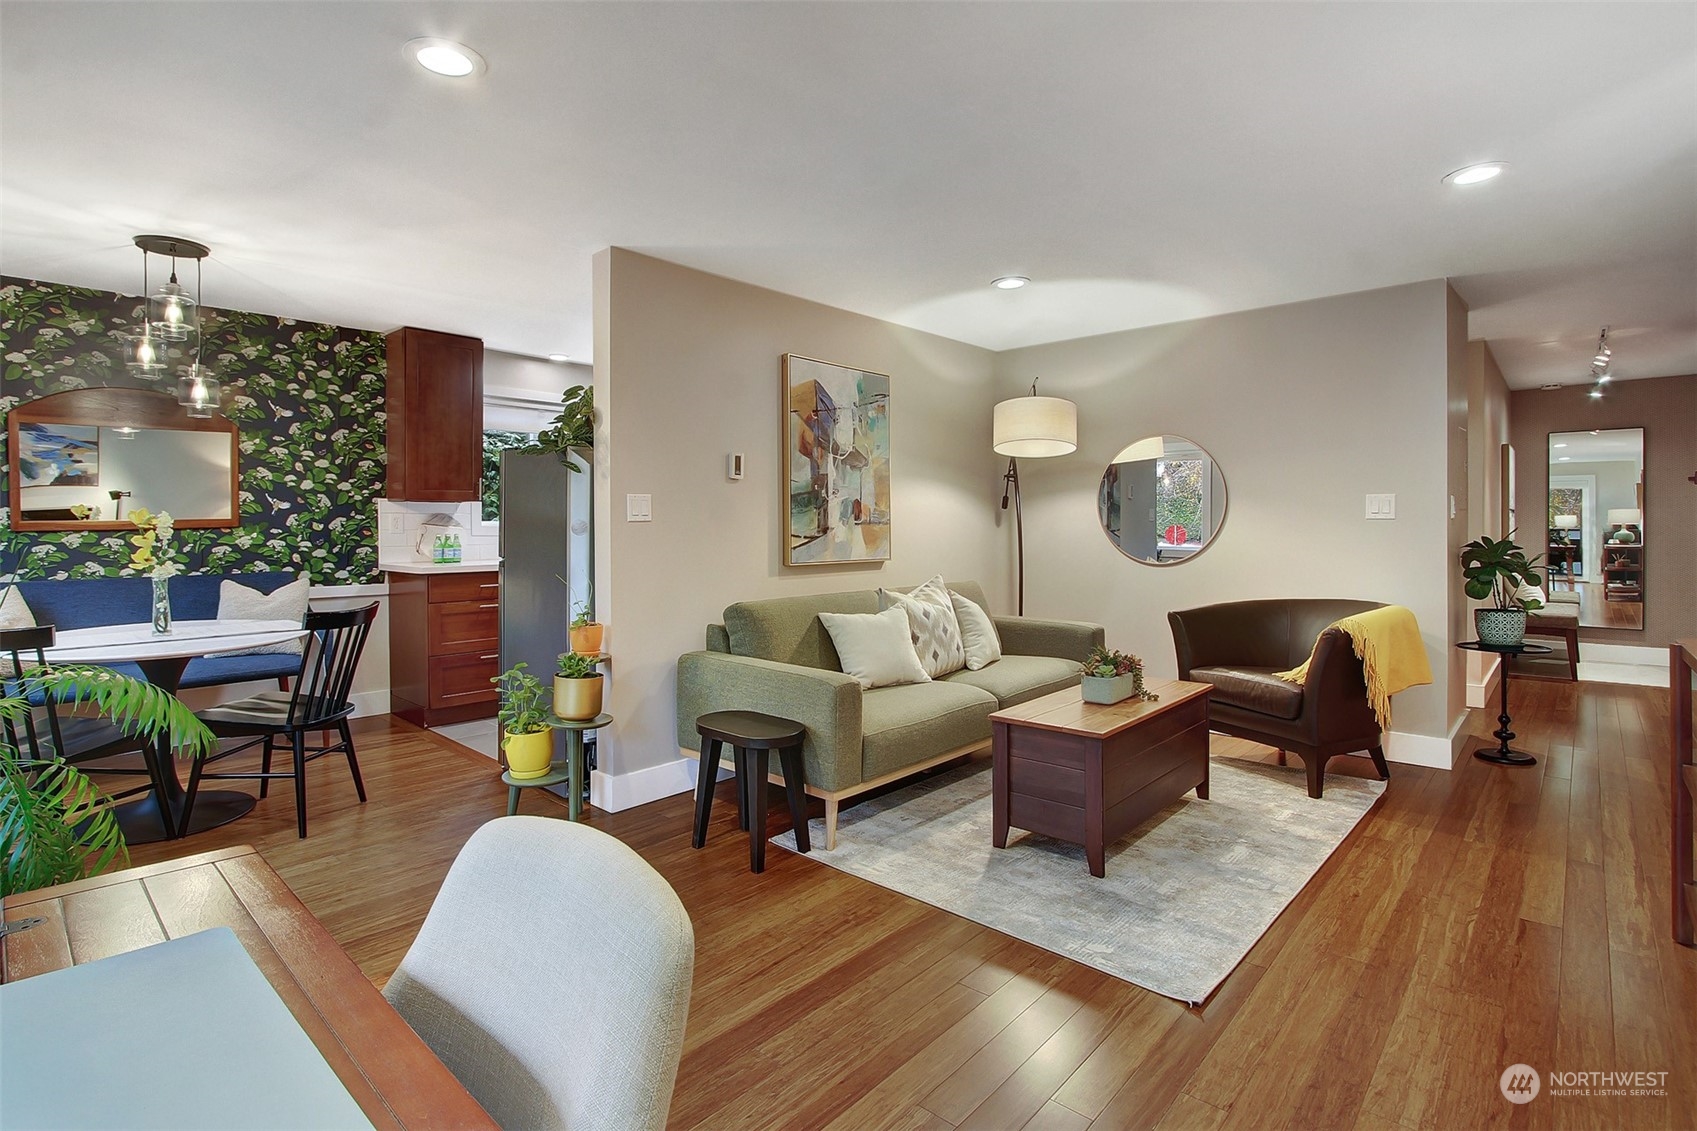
(1110, 677)
(1495, 570)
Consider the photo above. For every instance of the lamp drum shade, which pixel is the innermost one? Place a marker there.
(1624, 516)
(1035, 427)
(1567, 522)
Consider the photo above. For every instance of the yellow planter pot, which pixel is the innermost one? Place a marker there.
(577, 699)
(587, 639)
(528, 755)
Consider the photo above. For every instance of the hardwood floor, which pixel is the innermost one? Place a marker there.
(1475, 919)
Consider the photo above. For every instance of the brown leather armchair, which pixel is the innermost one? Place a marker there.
(1237, 646)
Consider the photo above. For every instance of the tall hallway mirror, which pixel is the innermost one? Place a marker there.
(1598, 526)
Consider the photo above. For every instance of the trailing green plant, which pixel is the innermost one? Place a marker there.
(1495, 569)
(524, 701)
(55, 824)
(576, 665)
(573, 428)
(584, 610)
(1105, 664)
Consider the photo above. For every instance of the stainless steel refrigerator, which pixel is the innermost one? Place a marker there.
(545, 536)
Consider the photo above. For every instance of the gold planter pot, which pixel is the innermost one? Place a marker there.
(586, 640)
(529, 755)
(577, 699)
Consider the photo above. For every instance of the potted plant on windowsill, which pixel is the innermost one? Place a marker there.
(1494, 570)
(577, 687)
(526, 737)
(1111, 677)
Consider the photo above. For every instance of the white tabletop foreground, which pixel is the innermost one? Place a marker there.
(131, 643)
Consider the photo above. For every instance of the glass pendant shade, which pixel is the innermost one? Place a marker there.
(172, 313)
(144, 352)
(1035, 427)
(199, 392)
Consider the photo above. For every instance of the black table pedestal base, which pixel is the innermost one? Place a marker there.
(140, 819)
(1503, 756)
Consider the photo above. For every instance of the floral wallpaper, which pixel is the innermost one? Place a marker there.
(307, 397)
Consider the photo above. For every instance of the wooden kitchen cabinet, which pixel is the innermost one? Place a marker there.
(444, 646)
(435, 411)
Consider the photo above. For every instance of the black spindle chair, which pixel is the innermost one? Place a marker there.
(321, 701)
(42, 733)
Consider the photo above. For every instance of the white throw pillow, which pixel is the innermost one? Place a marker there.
(932, 624)
(875, 648)
(14, 613)
(977, 633)
(1532, 592)
(239, 602)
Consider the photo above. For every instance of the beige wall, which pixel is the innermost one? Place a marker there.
(1456, 503)
(1487, 433)
(687, 371)
(1666, 408)
(1306, 408)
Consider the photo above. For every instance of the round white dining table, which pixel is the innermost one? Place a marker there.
(162, 658)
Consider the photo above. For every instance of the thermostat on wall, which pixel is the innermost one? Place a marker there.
(733, 465)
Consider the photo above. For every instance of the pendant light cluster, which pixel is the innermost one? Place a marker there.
(1600, 365)
(173, 321)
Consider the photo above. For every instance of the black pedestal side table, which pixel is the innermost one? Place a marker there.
(1504, 755)
(753, 736)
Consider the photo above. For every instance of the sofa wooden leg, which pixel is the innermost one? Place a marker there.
(1282, 758)
(1377, 753)
(830, 824)
(1316, 774)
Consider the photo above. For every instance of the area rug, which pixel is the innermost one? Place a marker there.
(1186, 894)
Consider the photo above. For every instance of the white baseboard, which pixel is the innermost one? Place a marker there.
(1422, 749)
(614, 792)
(1622, 654)
(1479, 694)
(368, 703)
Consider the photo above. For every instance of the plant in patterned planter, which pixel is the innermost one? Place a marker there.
(1111, 677)
(1494, 570)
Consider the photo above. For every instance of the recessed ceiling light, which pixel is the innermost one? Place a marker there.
(1596, 395)
(445, 57)
(558, 357)
(1475, 174)
(1561, 445)
(1009, 282)
(1563, 459)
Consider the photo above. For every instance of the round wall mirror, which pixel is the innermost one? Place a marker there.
(1162, 500)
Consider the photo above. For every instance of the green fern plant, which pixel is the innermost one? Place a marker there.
(55, 823)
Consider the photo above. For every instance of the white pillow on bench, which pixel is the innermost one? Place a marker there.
(239, 602)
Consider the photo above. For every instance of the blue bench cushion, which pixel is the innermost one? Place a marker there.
(95, 601)
(88, 602)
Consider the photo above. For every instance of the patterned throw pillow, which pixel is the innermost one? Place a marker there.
(931, 618)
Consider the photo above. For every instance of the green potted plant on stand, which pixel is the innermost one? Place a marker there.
(526, 738)
(1495, 570)
(1111, 677)
(577, 687)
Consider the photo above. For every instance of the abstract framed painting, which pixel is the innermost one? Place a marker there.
(59, 455)
(836, 463)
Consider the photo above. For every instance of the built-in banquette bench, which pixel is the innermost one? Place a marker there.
(92, 602)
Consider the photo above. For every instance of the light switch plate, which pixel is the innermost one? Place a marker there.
(1381, 506)
(639, 508)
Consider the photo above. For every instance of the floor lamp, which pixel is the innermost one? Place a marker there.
(1032, 427)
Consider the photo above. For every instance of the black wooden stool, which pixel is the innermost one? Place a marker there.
(752, 736)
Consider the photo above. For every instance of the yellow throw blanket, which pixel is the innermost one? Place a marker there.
(1388, 643)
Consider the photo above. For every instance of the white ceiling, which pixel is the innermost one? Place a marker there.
(1141, 162)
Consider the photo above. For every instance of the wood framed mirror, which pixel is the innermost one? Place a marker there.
(84, 459)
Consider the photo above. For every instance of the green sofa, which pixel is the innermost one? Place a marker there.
(775, 656)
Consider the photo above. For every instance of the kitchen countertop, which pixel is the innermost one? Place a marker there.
(488, 565)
